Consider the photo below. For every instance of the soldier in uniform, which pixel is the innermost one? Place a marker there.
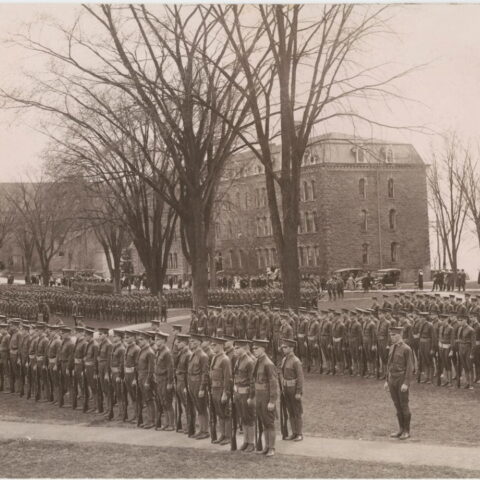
(198, 377)
(145, 369)
(382, 343)
(338, 337)
(130, 365)
(369, 342)
(427, 340)
(355, 344)
(78, 381)
(65, 365)
(41, 366)
(52, 353)
(243, 374)
(104, 358)
(23, 356)
(221, 383)
(164, 372)
(445, 345)
(4, 354)
(264, 392)
(13, 348)
(466, 344)
(181, 372)
(117, 368)
(399, 376)
(291, 377)
(91, 369)
(314, 354)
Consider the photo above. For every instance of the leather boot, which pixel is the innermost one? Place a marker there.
(299, 431)
(401, 425)
(228, 433)
(221, 428)
(406, 428)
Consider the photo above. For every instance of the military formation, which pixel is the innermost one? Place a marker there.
(207, 387)
(442, 331)
(33, 302)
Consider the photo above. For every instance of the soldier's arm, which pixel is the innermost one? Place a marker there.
(109, 356)
(299, 374)
(204, 369)
(170, 371)
(273, 382)
(408, 366)
(227, 376)
(150, 367)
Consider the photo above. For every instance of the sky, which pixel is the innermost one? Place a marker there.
(443, 39)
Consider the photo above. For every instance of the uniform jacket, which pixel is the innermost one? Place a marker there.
(292, 370)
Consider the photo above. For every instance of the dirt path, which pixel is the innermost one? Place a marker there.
(406, 453)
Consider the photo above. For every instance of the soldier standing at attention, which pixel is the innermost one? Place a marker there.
(104, 359)
(130, 367)
(164, 372)
(264, 394)
(220, 381)
(197, 384)
(399, 376)
(117, 367)
(292, 381)
(243, 379)
(91, 367)
(4, 353)
(145, 369)
(181, 370)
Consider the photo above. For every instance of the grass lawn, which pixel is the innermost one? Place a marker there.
(40, 459)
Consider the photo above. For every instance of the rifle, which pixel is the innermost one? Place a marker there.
(283, 411)
(213, 416)
(233, 441)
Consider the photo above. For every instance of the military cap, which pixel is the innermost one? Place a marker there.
(3, 325)
(103, 330)
(462, 315)
(276, 309)
(437, 295)
(177, 328)
(459, 298)
(155, 322)
(374, 298)
(360, 310)
(332, 310)
(474, 299)
(162, 335)
(242, 343)
(3, 317)
(41, 325)
(228, 338)
(118, 333)
(64, 329)
(467, 295)
(15, 321)
(89, 331)
(288, 342)
(257, 342)
(325, 311)
(345, 310)
(183, 337)
(79, 328)
(337, 314)
(147, 334)
(218, 340)
(385, 296)
(452, 296)
(54, 327)
(78, 317)
(396, 330)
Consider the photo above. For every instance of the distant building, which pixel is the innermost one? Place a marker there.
(363, 203)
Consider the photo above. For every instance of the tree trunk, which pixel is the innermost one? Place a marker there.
(289, 266)
(28, 268)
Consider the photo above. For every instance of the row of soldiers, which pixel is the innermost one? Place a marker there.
(205, 387)
(442, 333)
(30, 301)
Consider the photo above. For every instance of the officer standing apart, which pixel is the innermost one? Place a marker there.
(399, 375)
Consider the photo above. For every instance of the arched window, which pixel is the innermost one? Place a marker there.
(230, 258)
(273, 253)
(264, 197)
(300, 222)
(365, 259)
(308, 222)
(175, 260)
(394, 251)
(313, 194)
(317, 255)
(362, 188)
(390, 188)
(316, 226)
(230, 229)
(311, 257)
(392, 219)
(364, 221)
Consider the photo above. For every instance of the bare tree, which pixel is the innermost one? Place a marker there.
(447, 197)
(7, 218)
(301, 67)
(48, 211)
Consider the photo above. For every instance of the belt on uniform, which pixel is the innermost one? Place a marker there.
(242, 389)
(444, 345)
(300, 335)
(31, 357)
(290, 383)
(260, 386)
(78, 361)
(129, 369)
(114, 369)
(40, 357)
(337, 339)
(89, 364)
(216, 383)
(51, 361)
(312, 339)
(416, 335)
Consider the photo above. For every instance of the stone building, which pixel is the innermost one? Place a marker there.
(363, 204)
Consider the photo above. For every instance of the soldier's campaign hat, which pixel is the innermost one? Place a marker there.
(155, 322)
(228, 338)
(103, 330)
(118, 333)
(437, 295)
(276, 309)
(41, 325)
(474, 298)
(452, 296)
(345, 310)
(89, 331)
(147, 334)
(3, 317)
(15, 321)
(218, 340)
(3, 325)
(64, 329)
(385, 296)
(288, 342)
(53, 327)
(177, 328)
(396, 330)
(79, 328)
(374, 298)
(182, 337)
(459, 298)
(337, 314)
(242, 342)
(257, 342)
(162, 335)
